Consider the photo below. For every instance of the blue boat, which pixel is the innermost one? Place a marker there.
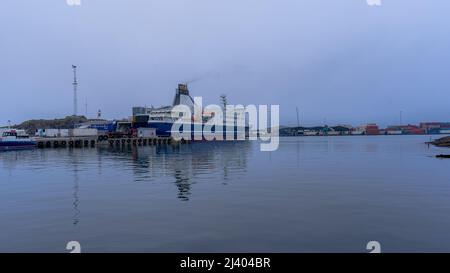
(11, 140)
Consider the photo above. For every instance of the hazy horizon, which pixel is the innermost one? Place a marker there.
(339, 62)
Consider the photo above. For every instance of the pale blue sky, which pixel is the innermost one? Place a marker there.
(337, 60)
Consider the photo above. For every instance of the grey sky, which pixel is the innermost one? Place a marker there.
(337, 60)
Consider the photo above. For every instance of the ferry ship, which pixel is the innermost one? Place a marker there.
(162, 121)
(16, 140)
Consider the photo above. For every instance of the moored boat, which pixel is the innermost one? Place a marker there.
(162, 120)
(12, 140)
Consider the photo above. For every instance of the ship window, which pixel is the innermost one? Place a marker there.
(7, 134)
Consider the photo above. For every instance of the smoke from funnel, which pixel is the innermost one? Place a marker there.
(203, 76)
(193, 80)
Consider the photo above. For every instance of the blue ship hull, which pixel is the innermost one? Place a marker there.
(17, 145)
(164, 129)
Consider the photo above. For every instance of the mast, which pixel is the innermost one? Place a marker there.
(223, 99)
(86, 108)
(75, 85)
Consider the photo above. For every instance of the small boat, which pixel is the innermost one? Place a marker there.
(12, 140)
(443, 156)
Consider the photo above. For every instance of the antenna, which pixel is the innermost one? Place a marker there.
(86, 106)
(75, 84)
(401, 117)
(298, 119)
(223, 99)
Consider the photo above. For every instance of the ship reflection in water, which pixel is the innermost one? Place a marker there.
(185, 163)
(312, 194)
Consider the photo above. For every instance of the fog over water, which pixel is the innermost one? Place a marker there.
(338, 61)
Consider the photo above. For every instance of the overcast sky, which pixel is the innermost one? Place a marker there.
(339, 61)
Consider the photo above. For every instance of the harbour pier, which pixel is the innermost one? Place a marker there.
(95, 141)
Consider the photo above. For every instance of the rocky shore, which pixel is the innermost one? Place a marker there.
(442, 142)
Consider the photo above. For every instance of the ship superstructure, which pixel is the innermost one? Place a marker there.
(163, 118)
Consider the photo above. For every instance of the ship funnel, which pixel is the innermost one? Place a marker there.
(183, 88)
(182, 96)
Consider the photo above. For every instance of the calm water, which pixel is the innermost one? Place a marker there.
(313, 194)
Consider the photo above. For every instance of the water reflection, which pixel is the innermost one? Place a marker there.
(75, 163)
(76, 200)
(207, 196)
(185, 163)
(183, 185)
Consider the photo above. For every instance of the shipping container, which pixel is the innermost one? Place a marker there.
(83, 132)
(372, 129)
(394, 132)
(63, 132)
(51, 132)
